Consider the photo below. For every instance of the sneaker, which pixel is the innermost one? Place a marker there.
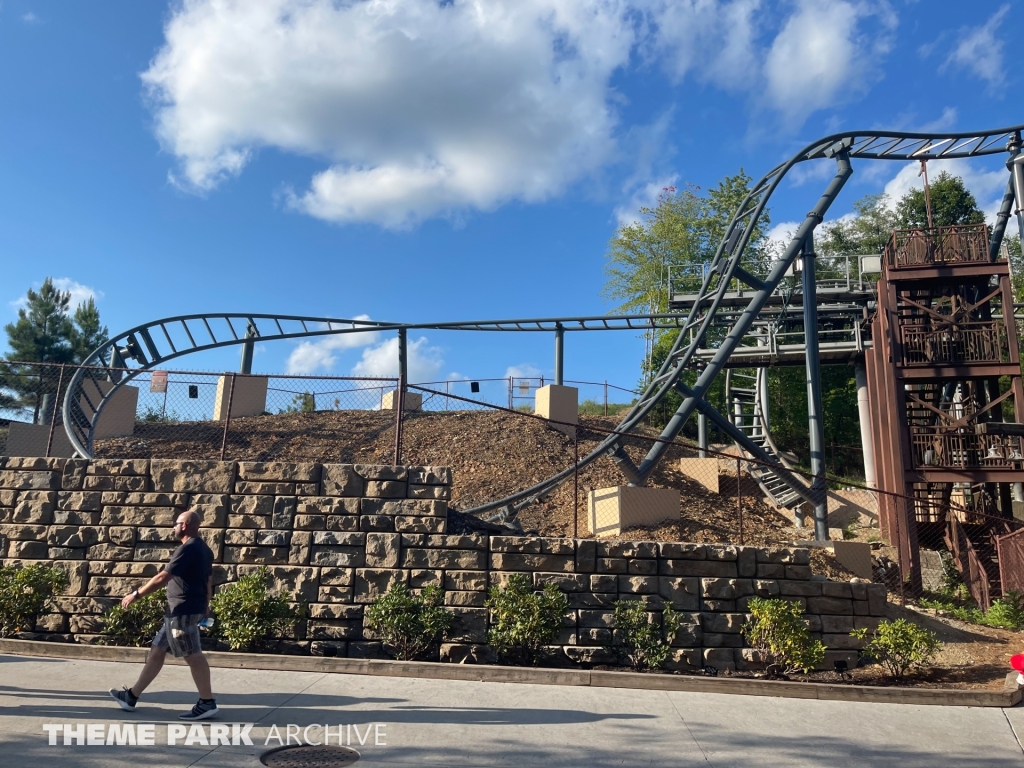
(124, 698)
(203, 710)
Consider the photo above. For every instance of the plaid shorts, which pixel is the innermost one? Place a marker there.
(180, 635)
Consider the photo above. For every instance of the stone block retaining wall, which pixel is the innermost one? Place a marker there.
(339, 535)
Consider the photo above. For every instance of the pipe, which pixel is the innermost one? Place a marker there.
(864, 413)
(1016, 166)
(403, 359)
(815, 424)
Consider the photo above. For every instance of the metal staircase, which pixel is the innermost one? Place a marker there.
(743, 393)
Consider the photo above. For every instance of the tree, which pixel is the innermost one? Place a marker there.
(87, 333)
(951, 201)
(866, 232)
(680, 234)
(45, 333)
(42, 333)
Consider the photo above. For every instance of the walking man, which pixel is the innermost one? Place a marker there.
(189, 580)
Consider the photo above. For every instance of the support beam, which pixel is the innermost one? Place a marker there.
(559, 354)
(702, 435)
(755, 450)
(815, 424)
(247, 350)
(1016, 167)
(745, 321)
(864, 413)
(403, 360)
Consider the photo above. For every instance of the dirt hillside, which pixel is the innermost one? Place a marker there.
(492, 454)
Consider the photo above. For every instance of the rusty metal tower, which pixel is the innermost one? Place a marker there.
(944, 381)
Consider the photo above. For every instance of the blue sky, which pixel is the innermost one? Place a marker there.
(421, 161)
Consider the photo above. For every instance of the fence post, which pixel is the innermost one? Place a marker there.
(446, 401)
(227, 418)
(739, 503)
(606, 397)
(53, 414)
(575, 481)
(399, 408)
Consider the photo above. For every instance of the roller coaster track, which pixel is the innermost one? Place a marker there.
(731, 268)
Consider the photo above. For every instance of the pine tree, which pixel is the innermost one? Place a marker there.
(87, 332)
(45, 333)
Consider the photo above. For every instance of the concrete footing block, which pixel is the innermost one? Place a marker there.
(612, 510)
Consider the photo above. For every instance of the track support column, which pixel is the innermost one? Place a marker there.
(403, 360)
(559, 353)
(864, 413)
(814, 413)
(247, 349)
(702, 435)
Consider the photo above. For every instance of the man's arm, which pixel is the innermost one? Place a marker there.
(150, 586)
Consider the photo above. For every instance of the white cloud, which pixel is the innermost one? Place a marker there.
(427, 108)
(811, 170)
(823, 56)
(424, 363)
(523, 371)
(986, 186)
(980, 51)
(644, 197)
(780, 235)
(79, 293)
(422, 108)
(30, 18)
(321, 355)
(943, 122)
(715, 40)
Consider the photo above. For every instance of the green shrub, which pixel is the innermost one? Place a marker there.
(303, 402)
(24, 593)
(645, 643)
(1007, 612)
(137, 624)
(899, 645)
(248, 617)
(412, 625)
(524, 620)
(778, 632)
(954, 608)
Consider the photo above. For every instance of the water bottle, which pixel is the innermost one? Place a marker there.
(206, 623)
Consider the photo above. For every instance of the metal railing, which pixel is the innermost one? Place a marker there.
(963, 342)
(957, 244)
(832, 272)
(966, 450)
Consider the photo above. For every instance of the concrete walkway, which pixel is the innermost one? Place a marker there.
(458, 723)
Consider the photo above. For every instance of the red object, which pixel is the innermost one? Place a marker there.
(1017, 662)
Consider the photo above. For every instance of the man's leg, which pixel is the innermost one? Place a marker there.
(200, 674)
(154, 663)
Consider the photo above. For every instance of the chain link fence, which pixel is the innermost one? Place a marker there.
(942, 546)
(192, 414)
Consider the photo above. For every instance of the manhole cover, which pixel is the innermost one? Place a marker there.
(321, 756)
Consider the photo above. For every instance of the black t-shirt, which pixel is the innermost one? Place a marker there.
(190, 565)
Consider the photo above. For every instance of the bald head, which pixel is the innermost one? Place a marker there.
(189, 523)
